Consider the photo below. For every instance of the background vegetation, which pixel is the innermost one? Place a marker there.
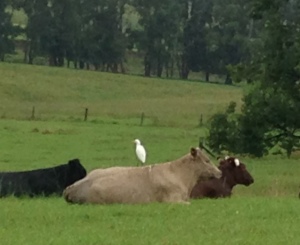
(165, 38)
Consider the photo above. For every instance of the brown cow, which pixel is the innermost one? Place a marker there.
(166, 182)
(233, 172)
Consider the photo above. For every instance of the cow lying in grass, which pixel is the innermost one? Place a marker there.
(233, 172)
(166, 182)
(45, 181)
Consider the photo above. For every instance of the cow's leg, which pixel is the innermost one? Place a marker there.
(184, 202)
(177, 197)
(177, 200)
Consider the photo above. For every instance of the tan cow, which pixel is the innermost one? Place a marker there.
(166, 182)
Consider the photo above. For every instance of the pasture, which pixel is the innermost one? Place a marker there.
(263, 213)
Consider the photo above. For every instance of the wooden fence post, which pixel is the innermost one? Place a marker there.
(33, 113)
(86, 114)
(201, 120)
(142, 119)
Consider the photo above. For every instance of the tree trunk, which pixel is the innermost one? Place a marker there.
(207, 76)
(147, 63)
(167, 70)
(81, 64)
(228, 79)
(184, 69)
(172, 68)
(114, 68)
(159, 67)
(60, 61)
(122, 67)
(97, 66)
(31, 52)
(103, 66)
(107, 67)
(26, 51)
(51, 61)
(30, 57)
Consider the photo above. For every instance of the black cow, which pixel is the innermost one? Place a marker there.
(46, 181)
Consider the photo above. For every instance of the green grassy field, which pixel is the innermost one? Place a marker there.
(63, 94)
(263, 213)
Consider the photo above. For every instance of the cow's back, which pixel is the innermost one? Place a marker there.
(133, 186)
(47, 181)
(101, 172)
(32, 183)
(13, 184)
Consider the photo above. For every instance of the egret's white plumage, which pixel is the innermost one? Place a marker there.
(140, 151)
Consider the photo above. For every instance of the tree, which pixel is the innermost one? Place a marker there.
(230, 34)
(195, 48)
(103, 40)
(223, 131)
(7, 30)
(270, 114)
(158, 37)
(38, 27)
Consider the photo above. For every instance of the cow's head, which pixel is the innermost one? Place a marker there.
(204, 168)
(75, 171)
(235, 171)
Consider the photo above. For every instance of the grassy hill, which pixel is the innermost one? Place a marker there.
(263, 213)
(59, 93)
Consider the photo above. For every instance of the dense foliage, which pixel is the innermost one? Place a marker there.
(172, 36)
(270, 115)
(7, 30)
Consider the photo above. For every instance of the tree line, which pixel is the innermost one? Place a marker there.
(171, 35)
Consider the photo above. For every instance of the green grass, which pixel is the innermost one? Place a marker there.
(230, 221)
(263, 213)
(60, 93)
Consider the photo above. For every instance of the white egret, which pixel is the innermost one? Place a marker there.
(140, 151)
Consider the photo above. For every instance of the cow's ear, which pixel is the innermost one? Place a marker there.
(235, 162)
(193, 152)
(73, 163)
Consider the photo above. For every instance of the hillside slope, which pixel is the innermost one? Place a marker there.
(59, 93)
